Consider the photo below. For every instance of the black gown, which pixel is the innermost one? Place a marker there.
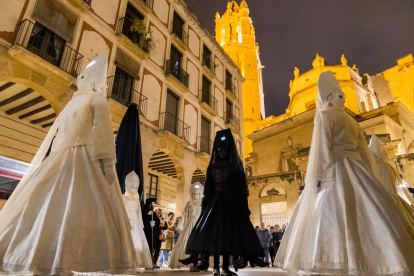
(224, 226)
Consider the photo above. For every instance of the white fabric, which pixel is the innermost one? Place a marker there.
(345, 222)
(97, 70)
(65, 216)
(391, 180)
(186, 224)
(184, 227)
(133, 208)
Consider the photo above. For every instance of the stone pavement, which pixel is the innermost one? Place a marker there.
(244, 272)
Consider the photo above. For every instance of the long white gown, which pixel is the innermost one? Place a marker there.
(184, 227)
(133, 208)
(391, 181)
(350, 225)
(66, 217)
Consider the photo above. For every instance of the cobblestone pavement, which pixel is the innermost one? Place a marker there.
(244, 272)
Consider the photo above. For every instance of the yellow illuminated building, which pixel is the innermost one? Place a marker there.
(235, 33)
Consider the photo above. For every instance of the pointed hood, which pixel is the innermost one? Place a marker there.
(196, 188)
(327, 83)
(98, 70)
(377, 148)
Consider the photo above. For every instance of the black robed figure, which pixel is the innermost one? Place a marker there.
(129, 151)
(224, 226)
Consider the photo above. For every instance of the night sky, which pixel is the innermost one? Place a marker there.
(371, 33)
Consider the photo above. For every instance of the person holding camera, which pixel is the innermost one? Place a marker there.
(167, 245)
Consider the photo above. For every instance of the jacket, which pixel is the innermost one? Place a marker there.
(264, 237)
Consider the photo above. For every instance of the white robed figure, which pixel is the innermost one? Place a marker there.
(186, 224)
(345, 222)
(133, 208)
(66, 214)
(391, 180)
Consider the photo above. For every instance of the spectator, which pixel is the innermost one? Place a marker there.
(272, 251)
(277, 239)
(176, 234)
(284, 228)
(264, 237)
(257, 228)
(167, 245)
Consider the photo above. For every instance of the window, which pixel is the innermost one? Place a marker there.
(171, 113)
(207, 57)
(178, 26)
(229, 111)
(205, 96)
(130, 15)
(153, 186)
(46, 44)
(228, 81)
(122, 87)
(205, 136)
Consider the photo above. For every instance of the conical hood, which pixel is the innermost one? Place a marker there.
(327, 83)
(98, 70)
(377, 148)
(196, 187)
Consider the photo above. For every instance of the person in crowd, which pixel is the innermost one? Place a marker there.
(257, 228)
(284, 228)
(153, 224)
(272, 251)
(167, 245)
(277, 236)
(264, 238)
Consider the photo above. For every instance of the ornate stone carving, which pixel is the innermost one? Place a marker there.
(272, 191)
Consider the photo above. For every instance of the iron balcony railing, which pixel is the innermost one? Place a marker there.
(124, 93)
(180, 33)
(233, 120)
(171, 123)
(209, 63)
(173, 68)
(124, 27)
(210, 100)
(204, 144)
(52, 49)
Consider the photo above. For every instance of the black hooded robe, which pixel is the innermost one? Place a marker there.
(224, 226)
(129, 151)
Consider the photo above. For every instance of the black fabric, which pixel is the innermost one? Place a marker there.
(129, 151)
(224, 226)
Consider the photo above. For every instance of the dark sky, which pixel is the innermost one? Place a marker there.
(371, 33)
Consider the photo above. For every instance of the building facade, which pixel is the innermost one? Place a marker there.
(277, 168)
(160, 57)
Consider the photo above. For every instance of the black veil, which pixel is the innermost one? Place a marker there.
(237, 177)
(129, 151)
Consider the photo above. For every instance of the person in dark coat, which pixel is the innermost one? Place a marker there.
(129, 151)
(224, 227)
(153, 224)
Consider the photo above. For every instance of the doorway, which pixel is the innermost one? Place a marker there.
(171, 112)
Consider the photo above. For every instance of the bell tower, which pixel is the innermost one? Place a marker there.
(235, 34)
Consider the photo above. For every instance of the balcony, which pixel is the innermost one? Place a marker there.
(133, 41)
(81, 5)
(38, 47)
(177, 75)
(231, 91)
(121, 92)
(173, 128)
(209, 67)
(232, 122)
(144, 5)
(209, 104)
(180, 37)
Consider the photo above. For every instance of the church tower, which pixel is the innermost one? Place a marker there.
(235, 34)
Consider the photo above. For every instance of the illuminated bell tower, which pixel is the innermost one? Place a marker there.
(235, 34)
